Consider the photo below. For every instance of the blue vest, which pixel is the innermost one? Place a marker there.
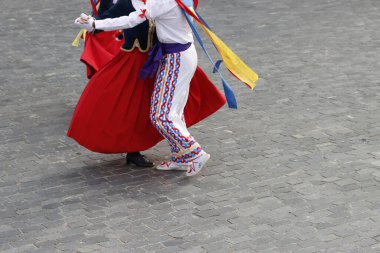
(142, 36)
(104, 6)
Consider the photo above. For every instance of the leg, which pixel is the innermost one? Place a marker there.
(168, 102)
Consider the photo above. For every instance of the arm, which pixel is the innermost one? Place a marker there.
(135, 18)
(156, 9)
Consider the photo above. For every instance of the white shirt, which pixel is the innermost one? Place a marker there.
(171, 24)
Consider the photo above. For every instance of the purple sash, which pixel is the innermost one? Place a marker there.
(157, 53)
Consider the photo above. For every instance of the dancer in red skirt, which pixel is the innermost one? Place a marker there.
(100, 48)
(112, 115)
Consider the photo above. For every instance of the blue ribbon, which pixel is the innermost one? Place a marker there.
(229, 94)
(217, 66)
(201, 19)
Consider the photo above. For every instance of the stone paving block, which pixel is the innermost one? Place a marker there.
(294, 169)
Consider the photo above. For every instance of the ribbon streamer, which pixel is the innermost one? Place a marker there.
(233, 63)
(95, 6)
(229, 94)
(81, 34)
(217, 66)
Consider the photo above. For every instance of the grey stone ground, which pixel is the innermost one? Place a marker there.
(295, 169)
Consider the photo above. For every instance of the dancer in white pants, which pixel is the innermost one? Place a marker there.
(174, 59)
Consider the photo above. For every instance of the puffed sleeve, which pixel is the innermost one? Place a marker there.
(157, 8)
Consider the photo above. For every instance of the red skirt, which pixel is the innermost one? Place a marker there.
(99, 49)
(112, 115)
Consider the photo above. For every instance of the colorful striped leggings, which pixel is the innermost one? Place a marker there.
(171, 90)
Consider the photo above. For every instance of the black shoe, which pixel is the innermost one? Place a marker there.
(139, 160)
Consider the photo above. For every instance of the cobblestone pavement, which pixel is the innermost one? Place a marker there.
(295, 169)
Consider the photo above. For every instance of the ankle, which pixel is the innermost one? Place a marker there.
(134, 154)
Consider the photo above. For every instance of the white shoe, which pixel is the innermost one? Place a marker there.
(198, 164)
(172, 166)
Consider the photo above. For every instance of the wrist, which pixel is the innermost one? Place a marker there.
(93, 27)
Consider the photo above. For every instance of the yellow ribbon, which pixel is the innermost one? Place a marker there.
(81, 34)
(233, 62)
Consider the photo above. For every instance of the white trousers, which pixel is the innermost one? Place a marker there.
(171, 91)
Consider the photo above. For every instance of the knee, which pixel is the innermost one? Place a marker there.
(161, 122)
(156, 120)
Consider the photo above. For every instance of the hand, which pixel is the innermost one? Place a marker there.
(85, 22)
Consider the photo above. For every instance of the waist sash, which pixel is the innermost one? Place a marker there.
(157, 53)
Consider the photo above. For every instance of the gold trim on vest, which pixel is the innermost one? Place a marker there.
(136, 43)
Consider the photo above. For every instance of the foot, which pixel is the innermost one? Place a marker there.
(198, 164)
(139, 160)
(172, 166)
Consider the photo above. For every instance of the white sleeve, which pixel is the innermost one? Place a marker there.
(135, 18)
(156, 8)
